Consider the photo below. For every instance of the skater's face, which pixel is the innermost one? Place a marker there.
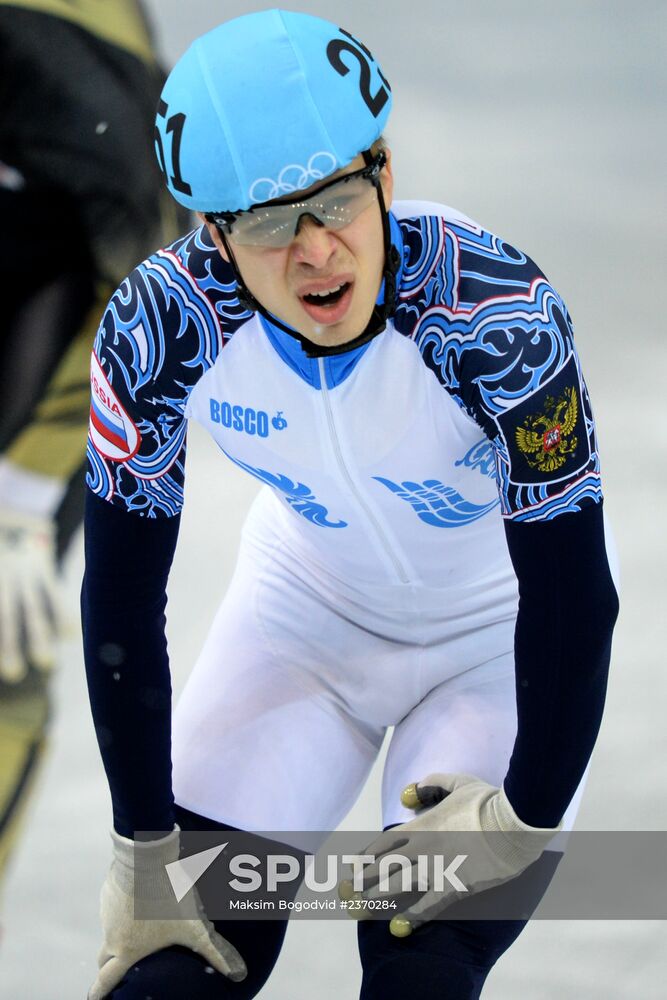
(324, 282)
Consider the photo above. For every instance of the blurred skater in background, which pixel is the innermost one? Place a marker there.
(81, 204)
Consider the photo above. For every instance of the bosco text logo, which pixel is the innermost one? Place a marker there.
(245, 419)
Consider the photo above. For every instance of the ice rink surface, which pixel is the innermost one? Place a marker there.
(545, 123)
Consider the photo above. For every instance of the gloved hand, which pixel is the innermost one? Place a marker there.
(30, 616)
(463, 803)
(138, 871)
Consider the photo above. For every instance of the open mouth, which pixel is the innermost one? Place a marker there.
(329, 298)
(329, 306)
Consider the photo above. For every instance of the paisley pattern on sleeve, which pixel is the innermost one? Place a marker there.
(162, 330)
(499, 339)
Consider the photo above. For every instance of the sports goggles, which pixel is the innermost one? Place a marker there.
(275, 224)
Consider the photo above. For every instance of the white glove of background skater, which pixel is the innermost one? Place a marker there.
(469, 805)
(30, 615)
(127, 941)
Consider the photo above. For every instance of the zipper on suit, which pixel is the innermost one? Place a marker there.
(377, 528)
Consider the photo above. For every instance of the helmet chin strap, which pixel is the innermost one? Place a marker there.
(381, 311)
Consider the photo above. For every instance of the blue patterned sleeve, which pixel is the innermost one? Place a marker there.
(500, 340)
(160, 333)
(521, 380)
(158, 336)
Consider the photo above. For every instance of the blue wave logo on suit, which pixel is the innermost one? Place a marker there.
(299, 496)
(438, 505)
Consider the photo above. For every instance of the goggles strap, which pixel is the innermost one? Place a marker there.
(246, 299)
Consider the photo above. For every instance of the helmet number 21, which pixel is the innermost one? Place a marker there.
(335, 48)
(174, 125)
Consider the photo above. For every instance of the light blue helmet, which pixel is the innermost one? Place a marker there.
(266, 105)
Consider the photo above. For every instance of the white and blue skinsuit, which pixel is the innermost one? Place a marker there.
(428, 551)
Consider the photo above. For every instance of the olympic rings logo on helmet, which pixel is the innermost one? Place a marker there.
(293, 177)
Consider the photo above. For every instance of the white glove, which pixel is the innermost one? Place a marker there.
(30, 617)
(127, 941)
(463, 804)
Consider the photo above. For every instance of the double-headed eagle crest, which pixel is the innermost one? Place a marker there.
(546, 439)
